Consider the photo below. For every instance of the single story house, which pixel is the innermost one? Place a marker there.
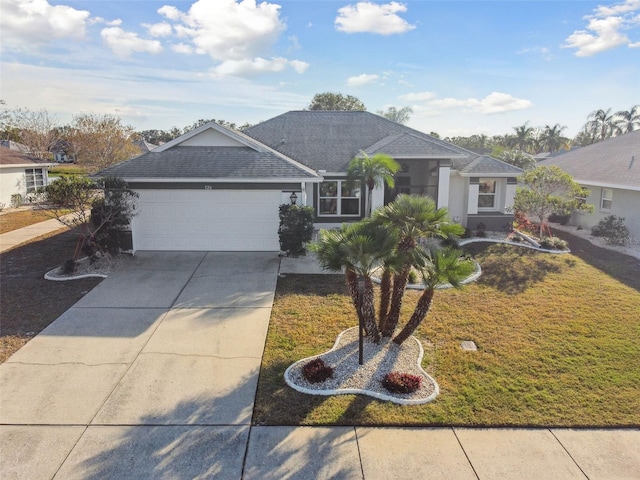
(218, 189)
(610, 169)
(21, 175)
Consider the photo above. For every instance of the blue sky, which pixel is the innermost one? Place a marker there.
(464, 67)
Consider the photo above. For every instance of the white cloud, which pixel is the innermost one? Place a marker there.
(182, 48)
(298, 65)
(371, 17)
(124, 43)
(605, 36)
(162, 29)
(28, 23)
(605, 29)
(495, 102)
(361, 80)
(228, 30)
(418, 96)
(256, 66)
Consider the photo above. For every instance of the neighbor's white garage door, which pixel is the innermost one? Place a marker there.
(224, 220)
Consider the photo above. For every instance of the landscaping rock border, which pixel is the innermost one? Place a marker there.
(379, 359)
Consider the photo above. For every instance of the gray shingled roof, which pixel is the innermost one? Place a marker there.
(411, 145)
(328, 140)
(207, 163)
(611, 162)
(485, 165)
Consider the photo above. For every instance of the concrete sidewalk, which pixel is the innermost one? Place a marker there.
(153, 375)
(17, 237)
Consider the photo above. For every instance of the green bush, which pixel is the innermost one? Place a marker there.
(553, 243)
(16, 200)
(613, 229)
(296, 228)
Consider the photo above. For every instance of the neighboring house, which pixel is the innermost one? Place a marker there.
(218, 189)
(610, 169)
(21, 174)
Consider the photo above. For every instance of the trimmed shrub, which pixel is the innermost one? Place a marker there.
(613, 229)
(553, 243)
(296, 228)
(396, 382)
(316, 371)
(16, 200)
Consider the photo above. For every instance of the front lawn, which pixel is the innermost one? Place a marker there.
(558, 340)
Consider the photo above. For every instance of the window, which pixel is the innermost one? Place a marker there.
(34, 179)
(336, 198)
(607, 199)
(487, 195)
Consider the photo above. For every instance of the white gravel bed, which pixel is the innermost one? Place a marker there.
(349, 377)
(632, 248)
(100, 268)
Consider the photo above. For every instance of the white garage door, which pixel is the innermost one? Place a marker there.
(223, 220)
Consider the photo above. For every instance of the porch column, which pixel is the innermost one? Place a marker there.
(474, 190)
(444, 180)
(377, 197)
(510, 193)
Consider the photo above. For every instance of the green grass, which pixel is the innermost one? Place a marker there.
(558, 339)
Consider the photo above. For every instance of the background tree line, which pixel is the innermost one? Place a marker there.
(96, 141)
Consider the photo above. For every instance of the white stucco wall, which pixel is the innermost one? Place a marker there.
(626, 203)
(12, 181)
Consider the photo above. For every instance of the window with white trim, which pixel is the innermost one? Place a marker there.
(34, 179)
(336, 197)
(487, 194)
(606, 199)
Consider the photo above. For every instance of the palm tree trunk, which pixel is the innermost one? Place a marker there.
(385, 297)
(352, 286)
(421, 311)
(369, 312)
(399, 284)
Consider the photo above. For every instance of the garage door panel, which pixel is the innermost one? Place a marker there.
(225, 220)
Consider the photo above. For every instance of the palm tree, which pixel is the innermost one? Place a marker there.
(601, 124)
(552, 138)
(523, 137)
(628, 121)
(440, 266)
(410, 218)
(360, 249)
(373, 172)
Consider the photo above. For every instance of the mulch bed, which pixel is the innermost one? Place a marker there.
(28, 302)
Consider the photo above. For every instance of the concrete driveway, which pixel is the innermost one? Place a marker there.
(151, 375)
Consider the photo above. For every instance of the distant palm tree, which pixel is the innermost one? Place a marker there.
(552, 138)
(373, 172)
(440, 266)
(601, 124)
(628, 121)
(522, 140)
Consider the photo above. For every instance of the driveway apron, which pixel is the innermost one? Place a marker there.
(151, 375)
